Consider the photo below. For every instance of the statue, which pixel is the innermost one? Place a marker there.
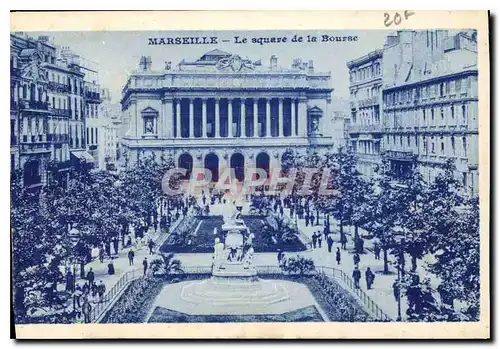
(218, 253)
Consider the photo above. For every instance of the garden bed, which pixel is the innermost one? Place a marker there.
(307, 314)
(338, 304)
(196, 235)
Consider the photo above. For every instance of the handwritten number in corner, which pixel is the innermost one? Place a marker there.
(397, 19)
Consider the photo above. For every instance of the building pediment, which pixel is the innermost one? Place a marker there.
(149, 110)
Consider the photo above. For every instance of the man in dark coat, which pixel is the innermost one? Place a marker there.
(370, 277)
(320, 239)
(356, 258)
(314, 239)
(337, 256)
(329, 241)
(131, 256)
(90, 276)
(356, 275)
(145, 265)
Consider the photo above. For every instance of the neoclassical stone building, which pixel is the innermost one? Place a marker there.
(223, 110)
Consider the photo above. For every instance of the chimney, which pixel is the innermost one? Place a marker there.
(273, 62)
(145, 63)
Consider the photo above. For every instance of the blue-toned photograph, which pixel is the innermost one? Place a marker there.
(244, 176)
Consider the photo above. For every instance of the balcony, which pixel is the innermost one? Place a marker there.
(399, 155)
(58, 87)
(93, 96)
(60, 112)
(63, 165)
(375, 128)
(57, 138)
(33, 105)
(35, 147)
(368, 102)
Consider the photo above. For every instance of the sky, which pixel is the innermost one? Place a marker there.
(118, 52)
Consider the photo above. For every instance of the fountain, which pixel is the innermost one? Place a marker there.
(234, 287)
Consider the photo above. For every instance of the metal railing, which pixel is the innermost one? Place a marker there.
(99, 309)
(362, 296)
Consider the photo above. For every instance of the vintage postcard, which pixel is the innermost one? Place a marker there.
(267, 174)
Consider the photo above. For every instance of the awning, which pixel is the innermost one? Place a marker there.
(83, 155)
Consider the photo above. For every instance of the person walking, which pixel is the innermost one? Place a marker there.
(356, 275)
(370, 277)
(395, 290)
(101, 254)
(151, 245)
(76, 297)
(314, 239)
(337, 256)
(131, 255)
(356, 258)
(101, 289)
(87, 310)
(90, 277)
(329, 242)
(343, 241)
(376, 251)
(320, 239)
(145, 265)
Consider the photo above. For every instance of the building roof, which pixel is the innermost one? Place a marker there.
(217, 52)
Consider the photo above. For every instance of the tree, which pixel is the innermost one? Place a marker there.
(166, 265)
(298, 265)
(36, 253)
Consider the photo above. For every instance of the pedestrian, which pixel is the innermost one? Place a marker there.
(101, 289)
(87, 310)
(376, 251)
(395, 290)
(155, 225)
(356, 275)
(320, 239)
(108, 248)
(356, 258)
(329, 241)
(76, 297)
(307, 221)
(69, 281)
(131, 256)
(343, 241)
(115, 245)
(93, 291)
(145, 265)
(90, 277)
(314, 238)
(370, 277)
(111, 267)
(151, 245)
(101, 254)
(337, 256)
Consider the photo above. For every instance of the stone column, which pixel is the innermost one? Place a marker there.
(204, 118)
(168, 118)
(217, 118)
(256, 117)
(178, 117)
(293, 114)
(191, 118)
(303, 117)
(243, 117)
(268, 117)
(280, 117)
(229, 118)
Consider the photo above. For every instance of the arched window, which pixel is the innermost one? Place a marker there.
(149, 116)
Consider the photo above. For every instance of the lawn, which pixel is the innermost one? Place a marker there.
(201, 236)
(307, 314)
